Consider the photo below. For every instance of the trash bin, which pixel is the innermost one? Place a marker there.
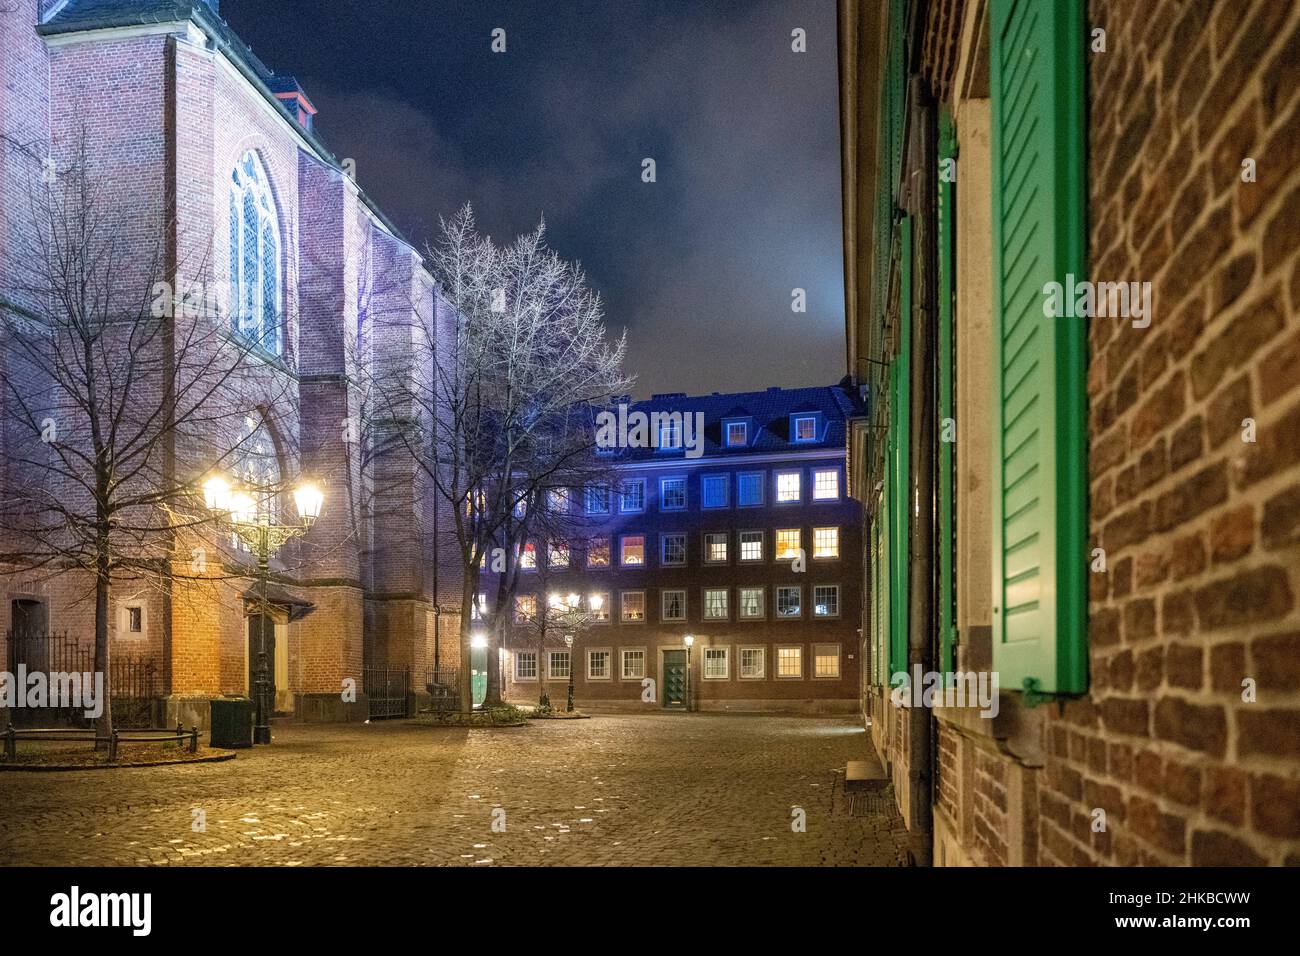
(232, 722)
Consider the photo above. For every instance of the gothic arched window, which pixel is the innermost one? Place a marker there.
(255, 285)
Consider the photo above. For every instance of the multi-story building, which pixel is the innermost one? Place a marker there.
(177, 122)
(1073, 290)
(752, 547)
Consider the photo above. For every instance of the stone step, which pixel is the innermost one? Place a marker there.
(864, 775)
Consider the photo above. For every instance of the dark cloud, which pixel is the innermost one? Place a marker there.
(698, 266)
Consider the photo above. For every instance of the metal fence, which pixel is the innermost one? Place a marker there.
(443, 688)
(388, 691)
(134, 684)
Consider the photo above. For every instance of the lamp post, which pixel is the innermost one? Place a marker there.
(253, 527)
(569, 615)
(689, 641)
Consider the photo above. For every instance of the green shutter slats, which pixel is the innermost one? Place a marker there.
(900, 411)
(1039, 487)
(947, 372)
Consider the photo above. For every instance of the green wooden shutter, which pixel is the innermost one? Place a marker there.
(877, 592)
(1040, 422)
(947, 569)
(900, 412)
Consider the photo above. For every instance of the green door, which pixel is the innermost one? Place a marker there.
(478, 665)
(675, 680)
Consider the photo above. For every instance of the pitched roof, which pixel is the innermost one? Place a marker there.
(768, 410)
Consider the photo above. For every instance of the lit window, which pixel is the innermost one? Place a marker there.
(826, 600)
(826, 542)
(826, 484)
(715, 547)
(788, 543)
(752, 662)
(632, 495)
(787, 487)
(749, 488)
(737, 433)
(597, 500)
(557, 501)
(525, 608)
(789, 662)
(716, 663)
(751, 546)
(528, 556)
(715, 604)
(672, 494)
(254, 304)
(633, 604)
(633, 664)
(632, 550)
(598, 665)
(672, 549)
(135, 620)
(789, 599)
(713, 491)
(826, 660)
(673, 606)
(525, 665)
(751, 604)
(601, 614)
(805, 428)
(558, 664)
(598, 552)
(559, 555)
(479, 611)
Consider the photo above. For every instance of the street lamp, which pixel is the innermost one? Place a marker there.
(689, 641)
(568, 614)
(253, 527)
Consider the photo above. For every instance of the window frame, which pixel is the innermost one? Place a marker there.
(686, 500)
(821, 470)
(622, 551)
(761, 484)
(609, 663)
(517, 656)
(780, 473)
(715, 477)
(663, 607)
(725, 651)
(664, 537)
(776, 657)
(726, 603)
(726, 539)
(826, 557)
(622, 662)
(622, 606)
(776, 602)
(740, 662)
(740, 546)
(740, 604)
(743, 425)
(624, 484)
(839, 661)
(839, 599)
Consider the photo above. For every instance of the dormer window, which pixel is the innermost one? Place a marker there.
(805, 428)
(670, 432)
(737, 434)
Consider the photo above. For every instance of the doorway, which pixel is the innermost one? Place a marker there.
(674, 673)
(255, 637)
(478, 674)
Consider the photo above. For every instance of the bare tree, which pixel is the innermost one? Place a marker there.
(518, 352)
(123, 385)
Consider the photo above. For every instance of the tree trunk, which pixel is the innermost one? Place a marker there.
(541, 655)
(104, 726)
(464, 680)
(493, 697)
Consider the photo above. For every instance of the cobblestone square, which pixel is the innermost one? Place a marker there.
(655, 790)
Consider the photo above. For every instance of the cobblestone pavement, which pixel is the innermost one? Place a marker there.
(654, 790)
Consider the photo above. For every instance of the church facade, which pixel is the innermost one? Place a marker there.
(181, 124)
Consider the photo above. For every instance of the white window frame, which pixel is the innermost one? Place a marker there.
(776, 656)
(663, 604)
(609, 553)
(550, 664)
(623, 653)
(726, 538)
(726, 602)
(794, 428)
(744, 434)
(622, 548)
(622, 496)
(826, 557)
(672, 427)
(776, 602)
(123, 629)
(622, 606)
(762, 488)
(609, 662)
(606, 612)
(839, 594)
(725, 479)
(725, 651)
(839, 666)
(740, 546)
(776, 544)
(587, 496)
(514, 613)
(675, 479)
(762, 662)
(762, 603)
(816, 472)
(561, 547)
(519, 656)
(797, 473)
(663, 553)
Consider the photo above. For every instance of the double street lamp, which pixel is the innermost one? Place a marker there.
(252, 525)
(569, 615)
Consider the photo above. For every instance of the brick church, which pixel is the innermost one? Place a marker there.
(180, 121)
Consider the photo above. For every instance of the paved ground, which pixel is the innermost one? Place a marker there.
(614, 790)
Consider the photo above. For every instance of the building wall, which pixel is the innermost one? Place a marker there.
(1184, 743)
(806, 693)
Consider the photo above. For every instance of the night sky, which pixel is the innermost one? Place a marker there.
(699, 266)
